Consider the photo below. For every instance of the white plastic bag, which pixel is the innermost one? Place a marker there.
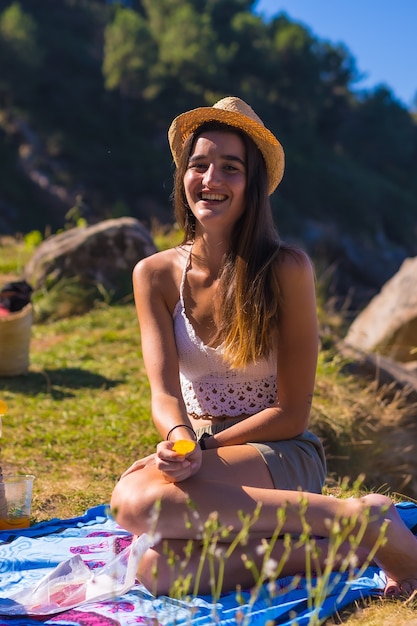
(72, 583)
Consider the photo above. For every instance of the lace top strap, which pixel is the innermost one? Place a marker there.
(184, 275)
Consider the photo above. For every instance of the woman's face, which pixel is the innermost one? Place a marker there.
(215, 179)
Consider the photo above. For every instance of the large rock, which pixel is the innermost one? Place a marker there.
(102, 254)
(388, 325)
(379, 347)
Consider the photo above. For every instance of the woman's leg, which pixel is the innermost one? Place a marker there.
(136, 494)
(162, 573)
(221, 486)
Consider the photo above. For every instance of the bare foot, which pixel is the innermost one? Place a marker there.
(392, 589)
(403, 589)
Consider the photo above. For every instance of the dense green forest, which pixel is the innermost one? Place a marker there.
(88, 89)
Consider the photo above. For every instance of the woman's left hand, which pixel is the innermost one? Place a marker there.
(140, 464)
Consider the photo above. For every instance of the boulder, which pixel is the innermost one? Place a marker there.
(103, 254)
(388, 325)
(379, 348)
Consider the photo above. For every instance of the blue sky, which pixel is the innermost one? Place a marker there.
(380, 34)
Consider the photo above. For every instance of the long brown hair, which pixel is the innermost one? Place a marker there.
(248, 290)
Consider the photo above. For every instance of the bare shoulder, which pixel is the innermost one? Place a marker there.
(297, 292)
(294, 264)
(161, 274)
(161, 264)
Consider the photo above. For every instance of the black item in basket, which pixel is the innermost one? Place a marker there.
(15, 296)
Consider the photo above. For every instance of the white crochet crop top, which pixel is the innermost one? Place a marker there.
(209, 386)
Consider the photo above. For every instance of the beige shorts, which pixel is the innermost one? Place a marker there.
(294, 464)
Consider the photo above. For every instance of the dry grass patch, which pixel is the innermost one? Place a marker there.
(380, 613)
(367, 430)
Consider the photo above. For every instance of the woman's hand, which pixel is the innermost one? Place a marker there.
(177, 467)
(140, 464)
(174, 466)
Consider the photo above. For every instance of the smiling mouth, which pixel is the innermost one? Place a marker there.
(213, 197)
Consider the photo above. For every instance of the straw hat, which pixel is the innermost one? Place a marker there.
(234, 112)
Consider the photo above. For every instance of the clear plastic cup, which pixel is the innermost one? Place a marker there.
(15, 501)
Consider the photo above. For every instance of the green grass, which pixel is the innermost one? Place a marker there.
(82, 415)
(14, 255)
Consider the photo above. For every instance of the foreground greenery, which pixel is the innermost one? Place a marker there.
(81, 416)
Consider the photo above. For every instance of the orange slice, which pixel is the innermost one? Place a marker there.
(3, 407)
(184, 446)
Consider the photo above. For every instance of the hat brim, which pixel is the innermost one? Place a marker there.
(272, 151)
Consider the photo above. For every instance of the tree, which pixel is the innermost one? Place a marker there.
(382, 133)
(337, 72)
(129, 53)
(20, 53)
(185, 39)
(18, 31)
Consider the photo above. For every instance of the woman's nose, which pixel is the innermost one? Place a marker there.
(211, 176)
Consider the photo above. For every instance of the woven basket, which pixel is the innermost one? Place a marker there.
(15, 333)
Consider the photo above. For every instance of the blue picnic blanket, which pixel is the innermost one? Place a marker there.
(27, 556)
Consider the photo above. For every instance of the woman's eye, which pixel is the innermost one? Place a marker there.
(198, 167)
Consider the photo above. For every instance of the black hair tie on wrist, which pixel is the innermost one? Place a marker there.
(201, 440)
(181, 426)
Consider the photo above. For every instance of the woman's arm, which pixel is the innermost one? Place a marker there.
(155, 286)
(154, 290)
(297, 361)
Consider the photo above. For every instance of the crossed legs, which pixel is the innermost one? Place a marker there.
(231, 482)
